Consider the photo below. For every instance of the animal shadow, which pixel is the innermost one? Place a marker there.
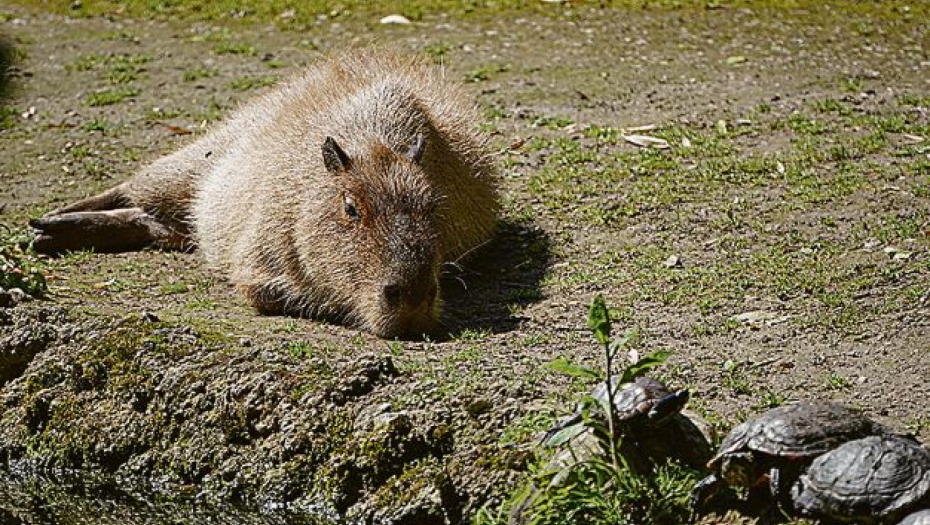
(488, 289)
(7, 55)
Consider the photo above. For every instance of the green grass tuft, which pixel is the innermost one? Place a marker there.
(19, 265)
(109, 97)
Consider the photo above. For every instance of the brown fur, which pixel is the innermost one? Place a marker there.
(257, 197)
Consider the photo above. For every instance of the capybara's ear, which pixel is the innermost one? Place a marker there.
(415, 153)
(334, 158)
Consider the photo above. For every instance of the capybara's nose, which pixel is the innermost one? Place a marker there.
(411, 293)
(393, 294)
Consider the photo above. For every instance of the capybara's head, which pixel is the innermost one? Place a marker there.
(382, 231)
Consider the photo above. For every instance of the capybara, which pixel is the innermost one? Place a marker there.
(338, 194)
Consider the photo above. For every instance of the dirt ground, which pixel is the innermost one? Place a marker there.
(778, 247)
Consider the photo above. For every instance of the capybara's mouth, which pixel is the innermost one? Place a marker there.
(407, 323)
(409, 331)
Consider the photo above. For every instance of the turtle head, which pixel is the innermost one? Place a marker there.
(739, 469)
(669, 405)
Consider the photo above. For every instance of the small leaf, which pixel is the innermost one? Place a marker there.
(640, 367)
(600, 429)
(567, 367)
(628, 338)
(559, 479)
(603, 405)
(599, 320)
(565, 435)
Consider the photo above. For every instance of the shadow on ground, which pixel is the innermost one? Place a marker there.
(498, 281)
(6, 69)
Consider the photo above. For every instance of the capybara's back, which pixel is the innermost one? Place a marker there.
(344, 191)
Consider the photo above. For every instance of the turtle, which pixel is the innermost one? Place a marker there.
(648, 422)
(877, 479)
(643, 402)
(921, 517)
(765, 454)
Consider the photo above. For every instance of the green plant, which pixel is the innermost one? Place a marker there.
(473, 335)
(96, 125)
(484, 73)
(234, 48)
(109, 97)
(248, 83)
(300, 349)
(734, 378)
(198, 73)
(600, 489)
(7, 117)
(19, 266)
(437, 52)
(769, 398)
(836, 381)
(396, 348)
(599, 323)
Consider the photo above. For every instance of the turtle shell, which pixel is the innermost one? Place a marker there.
(685, 436)
(640, 404)
(635, 400)
(870, 480)
(799, 431)
(921, 517)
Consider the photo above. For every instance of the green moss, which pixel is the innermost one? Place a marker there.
(485, 73)
(234, 48)
(200, 304)
(198, 73)
(524, 428)
(109, 97)
(118, 69)
(402, 489)
(97, 125)
(255, 82)
(8, 116)
(437, 52)
(311, 377)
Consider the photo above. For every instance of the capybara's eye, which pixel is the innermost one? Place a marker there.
(350, 209)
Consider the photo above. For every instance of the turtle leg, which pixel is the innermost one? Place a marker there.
(781, 480)
(763, 497)
(702, 495)
(108, 230)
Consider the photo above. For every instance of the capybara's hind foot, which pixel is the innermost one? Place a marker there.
(119, 230)
(112, 199)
